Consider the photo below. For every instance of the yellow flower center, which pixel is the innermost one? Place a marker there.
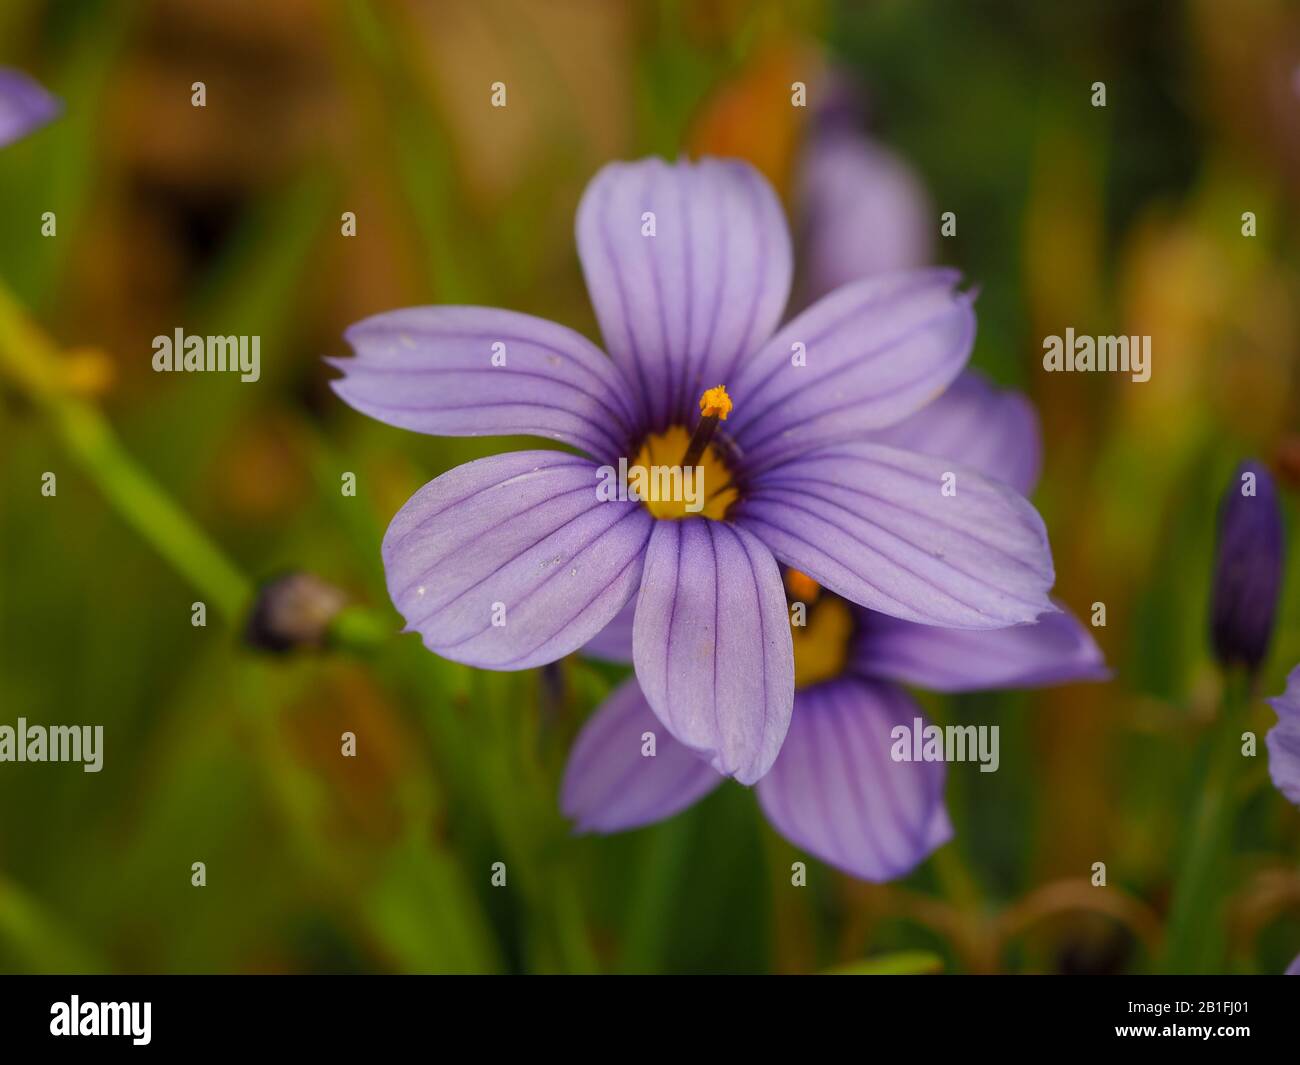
(680, 474)
(821, 644)
(708, 482)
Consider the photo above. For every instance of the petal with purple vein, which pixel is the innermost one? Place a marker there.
(477, 371)
(872, 524)
(873, 352)
(1056, 650)
(610, 785)
(836, 791)
(711, 642)
(991, 430)
(681, 308)
(512, 561)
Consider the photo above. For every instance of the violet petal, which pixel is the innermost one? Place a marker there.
(872, 524)
(24, 105)
(680, 309)
(614, 642)
(477, 371)
(712, 643)
(1283, 739)
(991, 430)
(836, 791)
(862, 211)
(610, 785)
(862, 358)
(512, 561)
(1056, 650)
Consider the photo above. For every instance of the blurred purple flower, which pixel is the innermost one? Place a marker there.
(1283, 739)
(689, 267)
(860, 209)
(834, 789)
(1294, 968)
(24, 105)
(1247, 569)
(882, 221)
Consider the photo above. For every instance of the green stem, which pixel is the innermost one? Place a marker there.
(956, 882)
(32, 361)
(663, 865)
(359, 628)
(1196, 935)
(38, 937)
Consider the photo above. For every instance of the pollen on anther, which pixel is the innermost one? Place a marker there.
(715, 403)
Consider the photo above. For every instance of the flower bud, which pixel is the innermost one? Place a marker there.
(1247, 568)
(292, 612)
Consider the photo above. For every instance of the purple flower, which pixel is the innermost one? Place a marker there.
(516, 560)
(24, 105)
(862, 210)
(1247, 568)
(1283, 739)
(1294, 968)
(835, 789)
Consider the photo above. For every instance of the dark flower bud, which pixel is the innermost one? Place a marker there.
(841, 105)
(292, 612)
(1247, 568)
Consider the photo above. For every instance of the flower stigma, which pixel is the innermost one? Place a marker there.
(700, 465)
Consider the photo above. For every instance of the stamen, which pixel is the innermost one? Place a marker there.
(716, 402)
(715, 405)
